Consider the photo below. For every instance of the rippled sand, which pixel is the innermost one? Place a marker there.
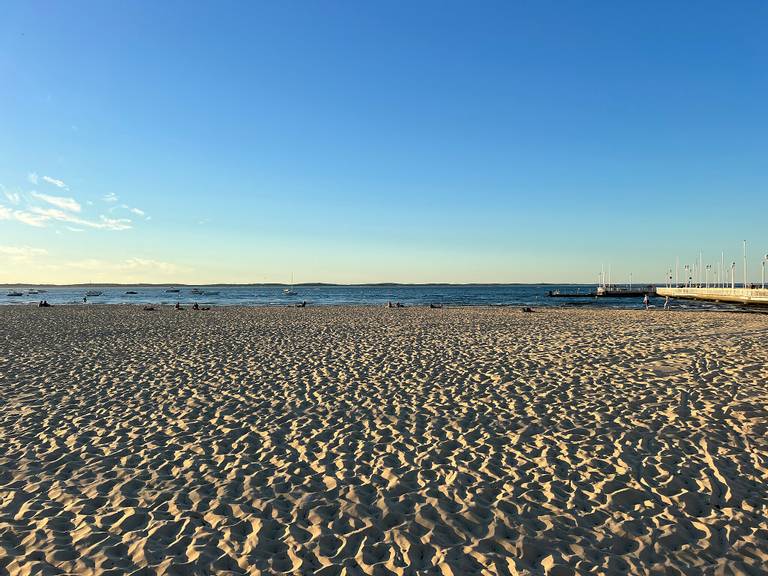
(381, 441)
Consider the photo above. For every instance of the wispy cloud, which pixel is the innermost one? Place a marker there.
(56, 182)
(103, 223)
(132, 210)
(22, 216)
(134, 264)
(40, 210)
(52, 214)
(11, 196)
(22, 252)
(113, 223)
(40, 217)
(59, 201)
(146, 263)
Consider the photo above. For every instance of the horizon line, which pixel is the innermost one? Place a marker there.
(245, 284)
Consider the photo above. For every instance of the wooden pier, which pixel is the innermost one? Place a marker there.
(612, 291)
(735, 295)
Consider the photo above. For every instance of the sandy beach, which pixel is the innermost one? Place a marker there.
(382, 441)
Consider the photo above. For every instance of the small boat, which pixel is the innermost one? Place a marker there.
(577, 294)
(625, 292)
(131, 292)
(290, 291)
(14, 293)
(93, 293)
(174, 290)
(33, 291)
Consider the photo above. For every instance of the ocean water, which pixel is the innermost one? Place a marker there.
(534, 295)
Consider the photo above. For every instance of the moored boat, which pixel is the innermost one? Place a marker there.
(617, 292)
(577, 294)
(290, 291)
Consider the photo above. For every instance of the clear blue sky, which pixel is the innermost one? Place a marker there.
(379, 141)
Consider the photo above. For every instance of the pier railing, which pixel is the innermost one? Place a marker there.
(739, 295)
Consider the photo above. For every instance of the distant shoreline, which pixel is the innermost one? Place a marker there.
(258, 284)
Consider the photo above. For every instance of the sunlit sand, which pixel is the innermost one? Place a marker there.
(382, 441)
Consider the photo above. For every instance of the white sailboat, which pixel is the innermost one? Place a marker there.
(290, 291)
(92, 292)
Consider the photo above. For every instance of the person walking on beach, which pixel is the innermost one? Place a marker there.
(645, 301)
(666, 303)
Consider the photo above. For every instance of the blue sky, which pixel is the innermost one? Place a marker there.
(379, 141)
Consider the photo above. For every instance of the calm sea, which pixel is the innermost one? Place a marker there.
(378, 295)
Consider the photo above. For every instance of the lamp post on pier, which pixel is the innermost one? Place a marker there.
(706, 275)
(745, 263)
(722, 268)
(733, 275)
(677, 272)
(765, 259)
